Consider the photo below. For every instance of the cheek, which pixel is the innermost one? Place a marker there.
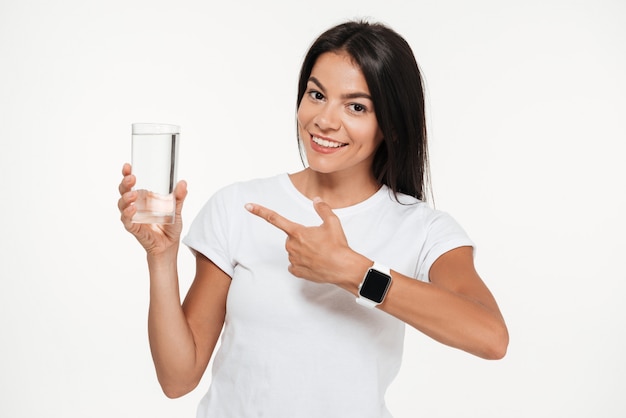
(379, 137)
(302, 131)
(305, 123)
(303, 116)
(370, 135)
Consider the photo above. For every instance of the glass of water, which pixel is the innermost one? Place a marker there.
(154, 164)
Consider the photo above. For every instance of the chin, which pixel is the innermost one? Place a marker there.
(320, 168)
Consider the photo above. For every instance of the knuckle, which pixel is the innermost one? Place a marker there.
(270, 217)
(296, 234)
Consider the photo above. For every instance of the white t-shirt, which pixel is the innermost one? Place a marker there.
(294, 348)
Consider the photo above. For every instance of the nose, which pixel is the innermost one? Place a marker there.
(328, 118)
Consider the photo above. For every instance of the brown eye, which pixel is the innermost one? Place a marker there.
(358, 108)
(316, 95)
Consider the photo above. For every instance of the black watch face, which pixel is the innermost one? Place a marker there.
(375, 286)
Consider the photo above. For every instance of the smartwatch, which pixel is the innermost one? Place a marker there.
(374, 287)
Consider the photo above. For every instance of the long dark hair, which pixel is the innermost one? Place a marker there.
(395, 84)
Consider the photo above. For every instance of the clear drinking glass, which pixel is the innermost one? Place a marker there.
(154, 164)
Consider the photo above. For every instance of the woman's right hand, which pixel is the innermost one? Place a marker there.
(155, 238)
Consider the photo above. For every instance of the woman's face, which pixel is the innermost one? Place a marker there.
(336, 119)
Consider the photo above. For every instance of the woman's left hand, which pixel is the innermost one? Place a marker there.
(318, 253)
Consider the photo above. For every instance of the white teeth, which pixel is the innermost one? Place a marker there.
(326, 143)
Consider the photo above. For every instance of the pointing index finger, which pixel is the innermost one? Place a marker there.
(272, 217)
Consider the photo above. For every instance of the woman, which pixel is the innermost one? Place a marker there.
(313, 293)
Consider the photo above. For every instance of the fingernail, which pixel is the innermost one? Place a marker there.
(317, 199)
(249, 206)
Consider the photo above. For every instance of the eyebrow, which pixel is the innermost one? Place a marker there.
(356, 95)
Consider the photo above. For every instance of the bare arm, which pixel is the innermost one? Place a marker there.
(455, 307)
(182, 336)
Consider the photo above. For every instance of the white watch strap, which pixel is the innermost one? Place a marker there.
(368, 303)
(381, 268)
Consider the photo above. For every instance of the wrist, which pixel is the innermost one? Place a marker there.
(162, 261)
(355, 267)
(374, 286)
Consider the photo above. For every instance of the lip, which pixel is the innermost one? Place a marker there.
(325, 149)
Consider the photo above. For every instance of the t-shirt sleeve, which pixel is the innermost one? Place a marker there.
(209, 231)
(443, 234)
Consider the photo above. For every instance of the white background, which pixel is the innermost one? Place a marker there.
(527, 109)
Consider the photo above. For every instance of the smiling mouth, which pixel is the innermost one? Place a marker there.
(326, 143)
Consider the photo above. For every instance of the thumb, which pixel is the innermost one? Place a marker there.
(180, 192)
(324, 210)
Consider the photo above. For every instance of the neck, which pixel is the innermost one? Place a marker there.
(337, 190)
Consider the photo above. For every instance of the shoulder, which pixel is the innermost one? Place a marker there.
(254, 184)
(249, 188)
(224, 209)
(407, 206)
(415, 211)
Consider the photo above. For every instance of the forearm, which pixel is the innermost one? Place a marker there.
(171, 339)
(448, 317)
(462, 316)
